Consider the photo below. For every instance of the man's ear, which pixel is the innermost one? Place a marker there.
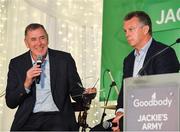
(146, 29)
(26, 43)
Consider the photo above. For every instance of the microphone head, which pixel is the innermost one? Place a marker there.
(38, 62)
(178, 40)
(106, 125)
(39, 58)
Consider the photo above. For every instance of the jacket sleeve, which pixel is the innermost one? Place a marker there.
(76, 87)
(15, 91)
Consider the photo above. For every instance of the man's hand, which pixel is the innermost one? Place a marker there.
(90, 93)
(119, 115)
(90, 90)
(31, 74)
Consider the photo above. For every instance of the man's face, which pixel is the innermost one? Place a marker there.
(37, 41)
(135, 32)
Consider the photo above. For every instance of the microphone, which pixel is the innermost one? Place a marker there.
(177, 40)
(108, 125)
(113, 82)
(39, 62)
(142, 70)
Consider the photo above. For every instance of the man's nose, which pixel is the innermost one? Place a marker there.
(39, 41)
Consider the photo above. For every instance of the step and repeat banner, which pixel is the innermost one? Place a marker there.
(165, 16)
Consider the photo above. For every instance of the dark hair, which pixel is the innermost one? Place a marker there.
(142, 16)
(34, 26)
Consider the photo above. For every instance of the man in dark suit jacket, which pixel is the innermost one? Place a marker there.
(44, 105)
(138, 30)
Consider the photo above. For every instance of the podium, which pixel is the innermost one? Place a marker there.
(152, 103)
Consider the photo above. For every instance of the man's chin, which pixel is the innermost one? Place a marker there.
(43, 52)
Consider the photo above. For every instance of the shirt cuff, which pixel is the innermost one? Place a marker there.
(120, 110)
(27, 90)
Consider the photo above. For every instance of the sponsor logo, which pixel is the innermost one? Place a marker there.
(152, 102)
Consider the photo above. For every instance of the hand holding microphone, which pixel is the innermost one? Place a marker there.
(115, 124)
(33, 73)
(119, 121)
(108, 125)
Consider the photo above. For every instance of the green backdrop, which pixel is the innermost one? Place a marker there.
(165, 15)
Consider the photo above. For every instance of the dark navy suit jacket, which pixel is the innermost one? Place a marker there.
(64, 82)
(166, 62)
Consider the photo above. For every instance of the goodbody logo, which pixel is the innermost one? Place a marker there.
(152, 102)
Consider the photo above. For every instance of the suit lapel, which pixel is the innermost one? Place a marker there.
(27, 63)
(132, 65)
(129, 65)
(52, 66)
(150, 51)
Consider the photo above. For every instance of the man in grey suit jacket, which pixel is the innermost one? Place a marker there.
(138, 31)
(45, 104)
